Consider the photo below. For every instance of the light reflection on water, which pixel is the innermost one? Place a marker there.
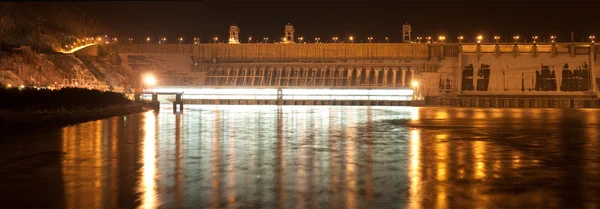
(338, 157)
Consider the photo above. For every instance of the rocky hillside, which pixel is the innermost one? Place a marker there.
(32, 35)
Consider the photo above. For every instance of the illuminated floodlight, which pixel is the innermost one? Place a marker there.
(150, 80)
(415, 84)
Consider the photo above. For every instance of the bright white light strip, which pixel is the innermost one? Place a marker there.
(291, 94)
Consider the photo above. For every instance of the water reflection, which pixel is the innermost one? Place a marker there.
(334, 157)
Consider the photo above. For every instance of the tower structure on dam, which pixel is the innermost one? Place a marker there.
(289, 34)
(406, 31)
(234, 34)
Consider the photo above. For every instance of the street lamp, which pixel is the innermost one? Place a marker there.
(180, 40)
(130, 39)
(265, 39)
(479, 38)
(164, 40)
(497, 38)
(428, 39)
(317, 40)
(552, 38)
(215, 39)
(300, 39)
(516, 38)
(149, 80)
(335, 39)
(460, 38)
(419, 39)
(351, 39)
(147, 40)
(370, 39)
(387, 40)
(592, 38)
(442, 38)
(534, 38)
(249, 39)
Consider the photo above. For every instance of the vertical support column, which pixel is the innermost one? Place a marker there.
(412, 74)
(593, 70)
(403, 77)
(497, 50)
(349, 76)
(459, 73)
(358, 75)
(279, 96)
(368, 76)
(572, 50)
(394, 73)
(516, 50)
(534, 50)
(385, 76)
(377, 76)
(553, 51)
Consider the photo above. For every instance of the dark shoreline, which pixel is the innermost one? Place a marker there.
(38, 119)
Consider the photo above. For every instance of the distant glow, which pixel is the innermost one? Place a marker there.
(9, 85)
(415, 84)
(150, 80)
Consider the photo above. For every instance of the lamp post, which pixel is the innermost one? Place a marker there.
(147, 40)
(428, 39)
(265, 39)
(370, 39)
(249, 39)
(351, 39)
(552, 38)
(497, 38)
(441, 39)
(300, 39)
(516, 38)
(335, 39)
(592, 37)
(164, 40)
(180, 40)
(130, 39)
(215, 39)
(479, 38)
(387, 40)
(419, 39)
(460, 38)
(534, 38)
(317, 39)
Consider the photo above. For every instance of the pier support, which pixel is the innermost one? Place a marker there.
(178, 101)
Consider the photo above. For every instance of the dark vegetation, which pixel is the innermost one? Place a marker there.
(63, 99)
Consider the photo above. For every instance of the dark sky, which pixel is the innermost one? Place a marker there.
(360, 18)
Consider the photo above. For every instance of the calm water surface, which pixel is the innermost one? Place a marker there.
(309, 157)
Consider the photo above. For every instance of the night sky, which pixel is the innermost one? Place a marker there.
(361, 19)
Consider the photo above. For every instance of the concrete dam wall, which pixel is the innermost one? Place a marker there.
(439, 69)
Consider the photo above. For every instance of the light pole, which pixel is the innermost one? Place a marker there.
(419, 39)
(428, 39)
(387, 40)
(335, 39)
(301, 39)
(249, 39)
(460, 38)
(180, 40)
(496, 38)
(370, 39)
(534, 38)
(479, 38)
(317, 40)
(351, 39)
(215, 39)
(441, 39)
(130, 39)
(552, 38)
(265, 39)
(592, 38)
(164, 40)
(516, 38)
(147, 40)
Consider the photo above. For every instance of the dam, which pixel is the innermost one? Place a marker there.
(473, 74)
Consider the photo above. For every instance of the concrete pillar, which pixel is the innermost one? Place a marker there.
(404, 77)
(497, 50)
(572, 50)
(593, 69)
(516, 50)
(385, 76)
(459, 73)
(478, 51)
(553, 51)
(358, 75)
(368, 80)
(349, 77)
(534, 50)
(377, 76)
(394, 72)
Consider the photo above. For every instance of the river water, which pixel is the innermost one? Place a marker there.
(309, 157)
